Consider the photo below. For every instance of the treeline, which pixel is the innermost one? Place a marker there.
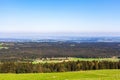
(13, 67)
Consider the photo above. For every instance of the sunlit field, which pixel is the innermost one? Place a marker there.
(95, 59)
(80, 75)
(2, 47)
(58, 60)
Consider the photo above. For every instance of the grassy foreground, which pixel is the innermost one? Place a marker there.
(80, 75)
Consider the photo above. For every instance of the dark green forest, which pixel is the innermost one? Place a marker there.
(16, 57)
(13, 67)
(17, 51)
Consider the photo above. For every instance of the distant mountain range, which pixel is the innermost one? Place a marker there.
(63, 39)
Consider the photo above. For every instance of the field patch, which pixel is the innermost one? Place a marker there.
(66, 59)
(3, 47)
(80, 75)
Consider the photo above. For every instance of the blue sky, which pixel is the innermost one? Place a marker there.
(59, 16)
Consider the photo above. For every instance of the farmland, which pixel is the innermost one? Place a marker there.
(66, 59)
(3, 47)
(79, 75)
(94, 59)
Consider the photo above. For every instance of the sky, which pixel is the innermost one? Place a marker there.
(59, 16)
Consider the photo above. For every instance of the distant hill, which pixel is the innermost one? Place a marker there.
(63, 39)
(33, 50)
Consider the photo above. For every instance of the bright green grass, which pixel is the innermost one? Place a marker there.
(76, 59)
(1, 46)
(4, 48)
(94, 59)
(81, 75)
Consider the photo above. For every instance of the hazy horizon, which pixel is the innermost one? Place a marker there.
(55, 35)
(59, 16)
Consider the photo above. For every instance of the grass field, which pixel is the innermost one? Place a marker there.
(80, 75)
(76, 59)
(1, 46)
(4, 48)
(94, 59)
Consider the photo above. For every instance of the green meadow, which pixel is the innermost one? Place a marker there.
(76, 59)
(79, 75)
(94, 59)
(2, 47)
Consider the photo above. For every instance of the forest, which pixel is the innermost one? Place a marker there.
(20, 51)
(18, 57)
(12, 67)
